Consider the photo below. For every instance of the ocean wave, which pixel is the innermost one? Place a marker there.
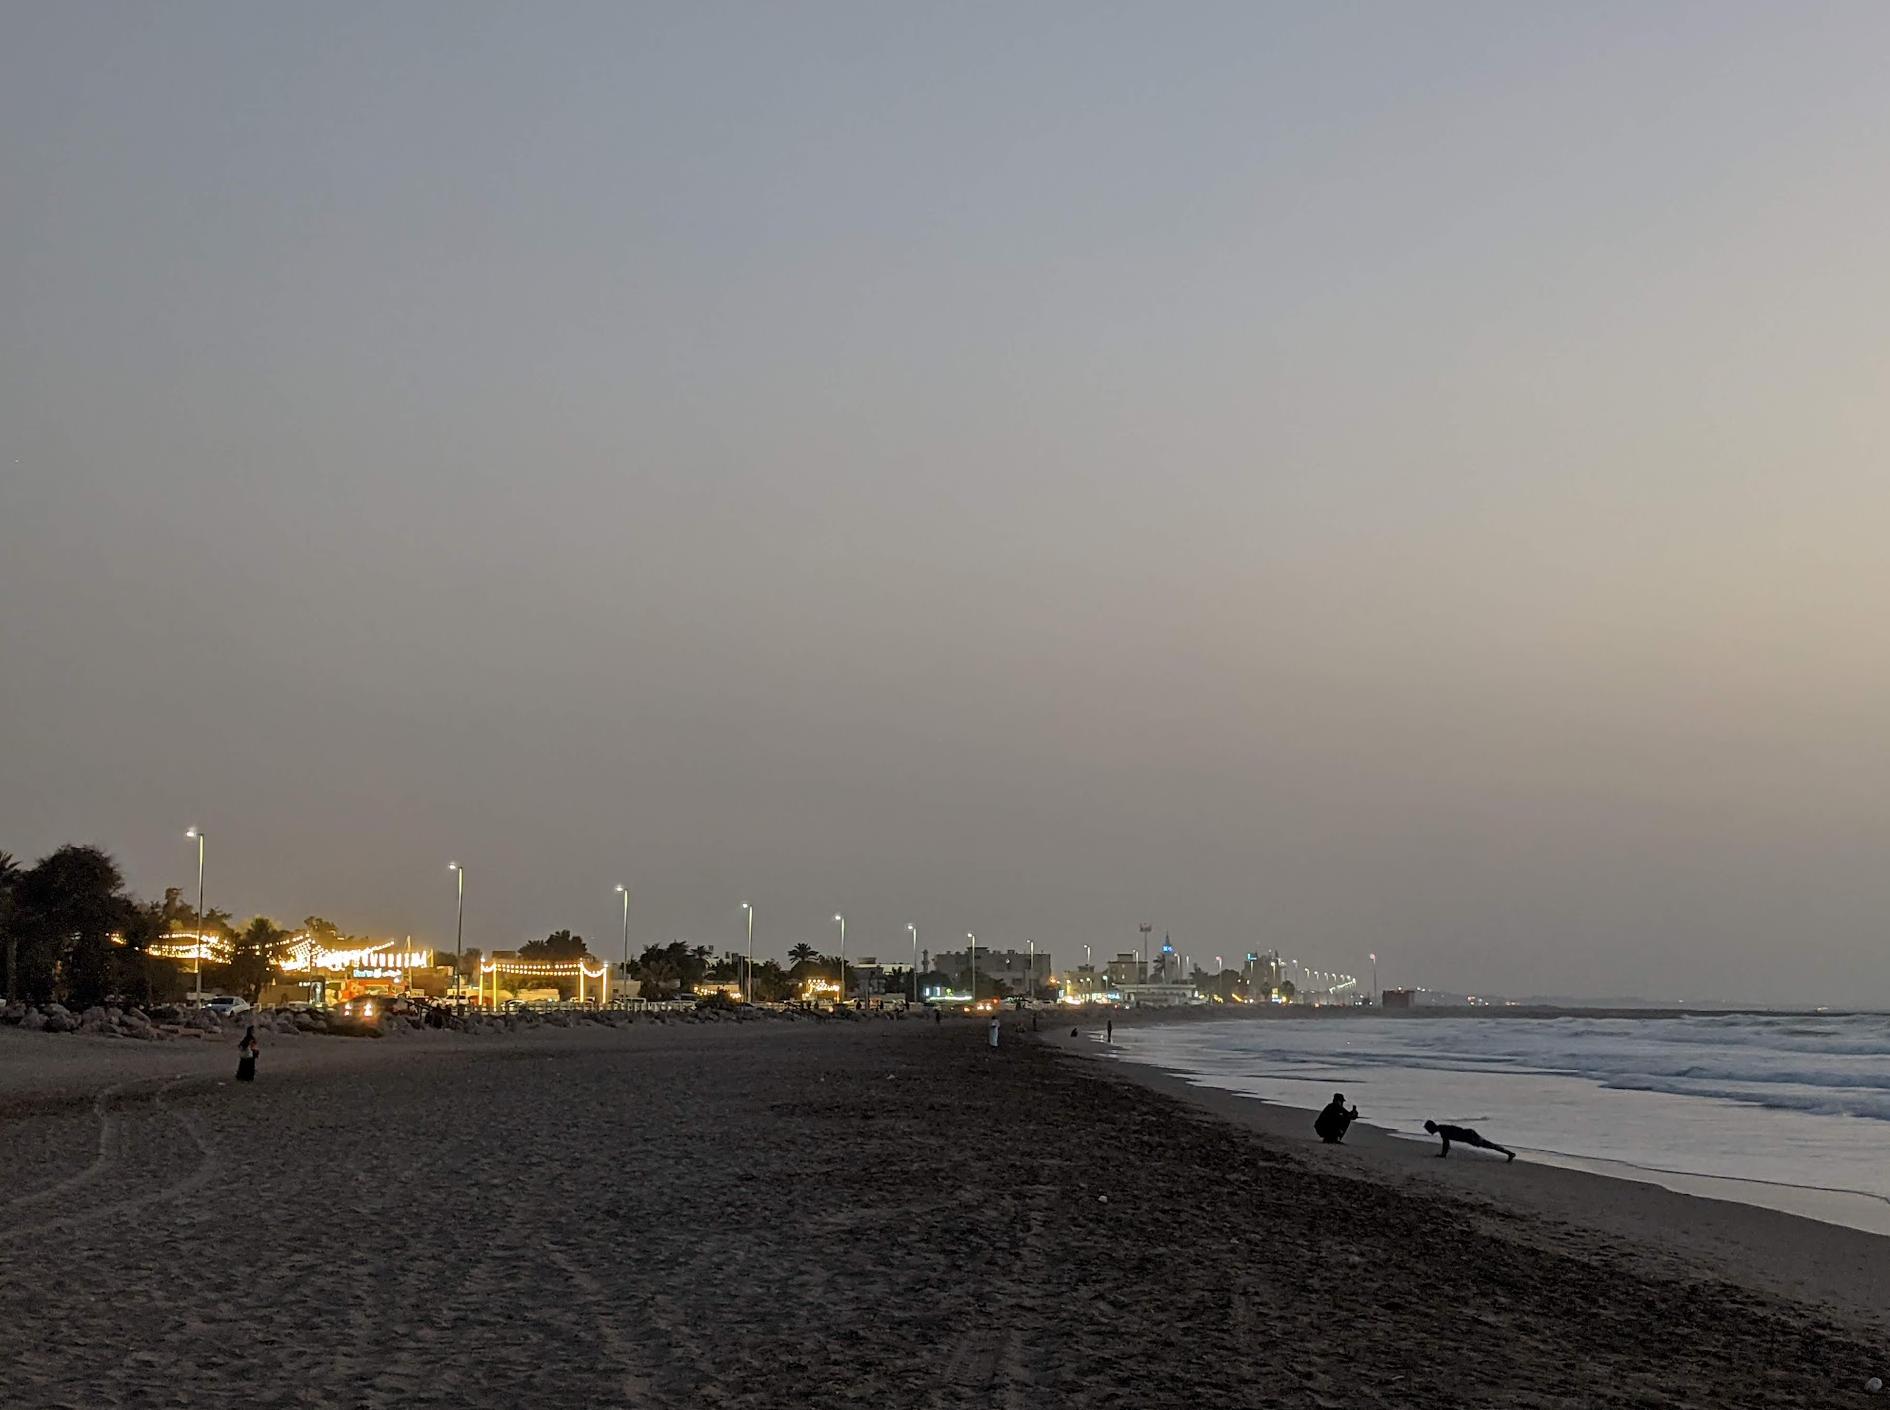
(1837, 1066)
(1868, 1103)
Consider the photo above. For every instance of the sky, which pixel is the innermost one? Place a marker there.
(1343, 479)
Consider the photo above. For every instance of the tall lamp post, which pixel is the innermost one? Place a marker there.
(1374, 980)
(915, 960)
(624, 891)
(459, 932)
(197, 949)
(1033, 969)
(974, 967)
(843, 955)
(750, 963)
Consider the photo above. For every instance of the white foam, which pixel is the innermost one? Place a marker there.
(1766, 1101)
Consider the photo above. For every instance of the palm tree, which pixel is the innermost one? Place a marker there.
(802, 952)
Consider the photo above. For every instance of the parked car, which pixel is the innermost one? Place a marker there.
(226, 1005)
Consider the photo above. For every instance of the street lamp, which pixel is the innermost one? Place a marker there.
(1374, 978)
(750, 965)
(974, 967)
(843, 955)
(197, 833)
(915, 960)
(624, 891)
(459, 933)
(1033, 969)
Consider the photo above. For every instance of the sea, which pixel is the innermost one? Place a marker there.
(1788, 1111)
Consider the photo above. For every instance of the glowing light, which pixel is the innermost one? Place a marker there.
(308, 956)
(563, 967)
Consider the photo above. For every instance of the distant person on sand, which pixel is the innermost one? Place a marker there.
(1109, 1030)
(1463, 1136)
(994, 1030)
(1331, 1123)
(938, 1016)
(246, 1056)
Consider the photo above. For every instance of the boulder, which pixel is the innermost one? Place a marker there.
(13, 1013)
(33, 1021)
(60, 1022)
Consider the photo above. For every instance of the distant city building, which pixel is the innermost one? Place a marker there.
(1398, 998)
(1125, 968)
(1084, 981)
(1011, 968)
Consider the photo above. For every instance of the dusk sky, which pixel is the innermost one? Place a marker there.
(1342, 478)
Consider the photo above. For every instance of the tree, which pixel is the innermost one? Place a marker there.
(72, 902)
(143, 925)
(772, 985)
(1229, 985)
(9, 881)
(322, 934)
(802, 952)
(559, 945)
(255, 953)
(671, 968)
(802, 971)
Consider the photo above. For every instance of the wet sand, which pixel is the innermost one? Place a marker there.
(1696, 1230)
(869, 1213)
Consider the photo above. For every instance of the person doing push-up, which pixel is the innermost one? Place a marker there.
(1463, 1136)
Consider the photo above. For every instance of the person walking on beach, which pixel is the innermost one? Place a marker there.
(1463, 1136)
(1331, 1123)
(1109, 1030)
(246, 1056)
(994, 1032)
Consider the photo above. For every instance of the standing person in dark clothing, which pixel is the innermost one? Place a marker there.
(1331, 1123)
(246, 1056)
(1109, 1030)
(1463, 1136)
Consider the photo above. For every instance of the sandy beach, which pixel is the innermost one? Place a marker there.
(880, 1213)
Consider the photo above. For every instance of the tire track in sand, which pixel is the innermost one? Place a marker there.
(107, 1128)
(634, 1383)
(989, 1360)
(194, 1179)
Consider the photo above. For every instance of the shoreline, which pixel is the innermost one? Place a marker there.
(1839, 1268)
